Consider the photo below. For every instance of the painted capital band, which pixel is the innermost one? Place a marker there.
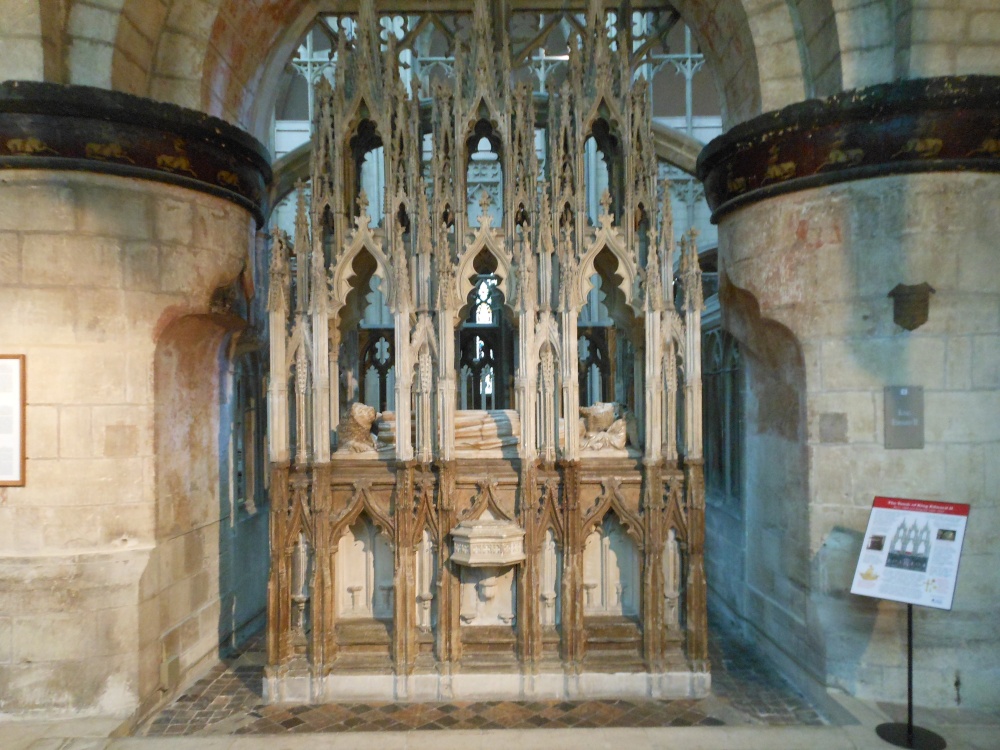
(927, 125)
(61, 127)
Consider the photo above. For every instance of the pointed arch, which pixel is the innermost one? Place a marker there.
(676, 518)
(424, 335)
(424, 512)
(424, 338)
(361, 502)
(604, 109)
(480, 113)
(548, 516)
(486, 499)
(611, 500)
(364, 136)
(363, 240)
(486, 240)
(610, 239)
(300, 519)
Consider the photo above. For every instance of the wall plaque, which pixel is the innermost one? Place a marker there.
(12, 420)
(904, 416)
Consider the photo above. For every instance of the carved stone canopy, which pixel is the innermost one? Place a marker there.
(487, 542)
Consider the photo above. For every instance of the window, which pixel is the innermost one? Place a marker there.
(485, 349)
(722, 371)
(247, 434)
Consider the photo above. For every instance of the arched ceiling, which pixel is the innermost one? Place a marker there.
(224, 56)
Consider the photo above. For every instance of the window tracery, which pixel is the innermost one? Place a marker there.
(723, 384)
(485, 340)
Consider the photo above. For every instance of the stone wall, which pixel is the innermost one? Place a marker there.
(805, 284)
(944, 37)
(110, 555)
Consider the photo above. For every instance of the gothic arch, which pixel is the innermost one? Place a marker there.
(610, 239)
(485, 500)
(485, 241)
(604, 109)
(611, 500)
(671, 146)
(425, 516)
(361, 503)
(549, 516)
(340, 285)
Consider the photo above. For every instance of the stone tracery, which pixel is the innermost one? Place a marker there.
(498, 422)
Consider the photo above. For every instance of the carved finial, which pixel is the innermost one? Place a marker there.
(362, 201)
(301, 217)
(279, 286)
(485, 202)
(605, 203)
(667, 239)
(604, 217)
(425, 243)
(691, 272)
(340, 72)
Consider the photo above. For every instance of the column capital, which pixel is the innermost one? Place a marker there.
(66, 127)
(923, 125)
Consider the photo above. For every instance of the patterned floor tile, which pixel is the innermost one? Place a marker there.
(231, 696)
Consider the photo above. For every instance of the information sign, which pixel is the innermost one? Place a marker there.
(911, 551)
(12, 400)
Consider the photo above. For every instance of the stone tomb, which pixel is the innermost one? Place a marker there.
(506, 507)
(386, 600)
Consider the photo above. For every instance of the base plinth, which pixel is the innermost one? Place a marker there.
(896, 733)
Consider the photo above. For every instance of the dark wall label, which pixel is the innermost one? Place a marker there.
(904, 416)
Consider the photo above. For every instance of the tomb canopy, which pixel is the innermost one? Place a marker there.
(485, 399)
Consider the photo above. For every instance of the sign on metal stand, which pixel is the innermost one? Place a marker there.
(910, 554)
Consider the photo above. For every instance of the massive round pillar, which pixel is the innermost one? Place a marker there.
(121, 221)
(823, 209)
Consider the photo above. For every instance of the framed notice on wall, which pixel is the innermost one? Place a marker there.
(11, 420)
(911, 551)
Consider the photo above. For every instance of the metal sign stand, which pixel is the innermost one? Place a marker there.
(907, 735)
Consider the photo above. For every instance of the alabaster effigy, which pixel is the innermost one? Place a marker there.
(477, 387)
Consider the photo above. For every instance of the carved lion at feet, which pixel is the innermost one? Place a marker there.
(354, 433)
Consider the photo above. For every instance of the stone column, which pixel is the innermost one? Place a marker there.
(120, 219)
(823, 209)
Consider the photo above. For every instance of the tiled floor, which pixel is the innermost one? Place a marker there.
(228, 701)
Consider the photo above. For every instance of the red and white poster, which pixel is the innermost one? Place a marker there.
(911, 551)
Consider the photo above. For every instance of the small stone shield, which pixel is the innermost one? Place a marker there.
(910, 304)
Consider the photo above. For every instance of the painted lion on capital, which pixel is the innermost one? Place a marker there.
(354, 433)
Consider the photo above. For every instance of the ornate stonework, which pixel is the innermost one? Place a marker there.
(56, 126)
(926, 125)
(533, 524)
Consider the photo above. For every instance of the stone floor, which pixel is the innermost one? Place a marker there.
(750, 709)
(227, 701)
